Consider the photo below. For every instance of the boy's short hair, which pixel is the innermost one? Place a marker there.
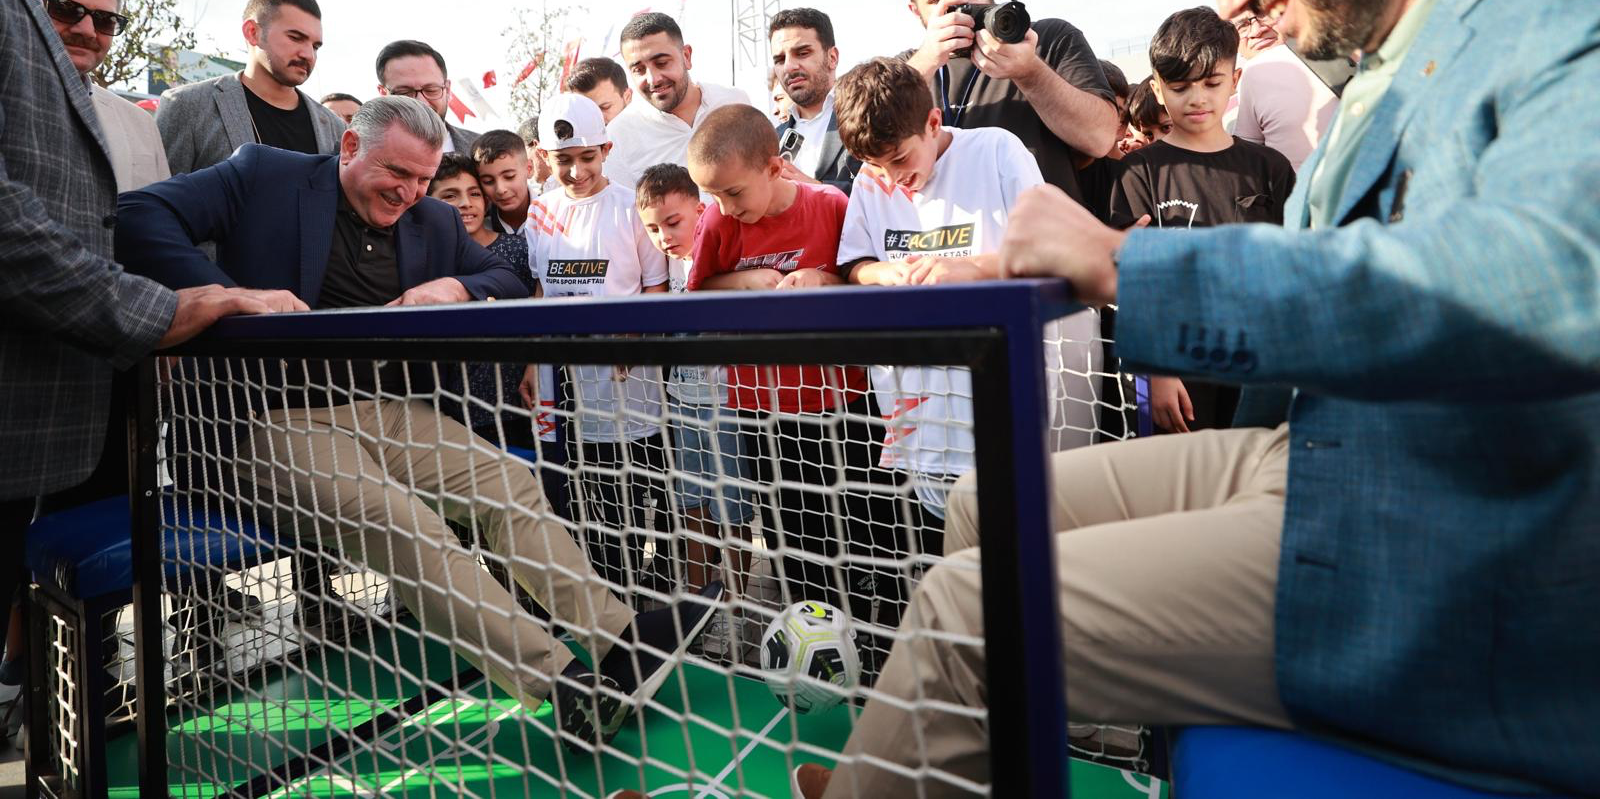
(529, 131)
(452, 165)
(1192, 42)
(340, 97)
(878, 104)
(736, 131)
(651, 23)
(496, 144)
(264, 11)
(590, 71)
(409, 47)
(1144, 110)
(808, 18)
(661, 181)
(1115, 77)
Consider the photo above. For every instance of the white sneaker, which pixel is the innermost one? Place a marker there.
(716, 642)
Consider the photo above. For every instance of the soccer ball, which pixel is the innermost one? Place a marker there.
(809, 657)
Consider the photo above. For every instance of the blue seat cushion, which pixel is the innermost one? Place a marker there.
(87, 551)
(1243, 762)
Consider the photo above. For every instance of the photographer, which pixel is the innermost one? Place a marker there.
(1048, 89)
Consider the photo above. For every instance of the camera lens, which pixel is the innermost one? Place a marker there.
(1007, 22)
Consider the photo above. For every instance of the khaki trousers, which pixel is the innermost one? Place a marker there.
(1168, 563)
(370, 479)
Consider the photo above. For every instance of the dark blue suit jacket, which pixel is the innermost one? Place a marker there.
(271, 213)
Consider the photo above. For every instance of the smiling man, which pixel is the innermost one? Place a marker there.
(204, 123)
(657, 130)
(357, 230)
(804, 62)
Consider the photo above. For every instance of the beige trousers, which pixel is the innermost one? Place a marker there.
(371, 479)
(1168, 563)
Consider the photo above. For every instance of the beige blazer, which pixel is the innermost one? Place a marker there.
(137, 157)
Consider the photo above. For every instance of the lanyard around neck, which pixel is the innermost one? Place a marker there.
(952, 113)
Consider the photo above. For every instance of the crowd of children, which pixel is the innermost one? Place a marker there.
(675, 469)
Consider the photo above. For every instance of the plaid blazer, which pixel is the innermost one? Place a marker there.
(70, 314)
(1439, 585)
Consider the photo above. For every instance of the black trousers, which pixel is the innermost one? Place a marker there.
(619, 484)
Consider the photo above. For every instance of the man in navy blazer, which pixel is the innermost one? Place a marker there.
(357, 229)
(1406, 555)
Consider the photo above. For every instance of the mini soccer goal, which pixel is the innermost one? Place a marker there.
(561, 548)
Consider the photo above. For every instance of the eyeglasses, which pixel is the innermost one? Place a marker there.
(69, 13)
(1246, 23)
(432, 91)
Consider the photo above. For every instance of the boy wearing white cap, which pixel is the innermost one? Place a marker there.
(590, 243)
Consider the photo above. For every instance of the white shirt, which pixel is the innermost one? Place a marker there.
(961, 211)
(814, 131)
(597, 247)
(643, 136)
(1283, 104)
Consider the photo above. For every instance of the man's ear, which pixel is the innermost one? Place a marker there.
(252, 32)
(935, 121)
(688, 58)
(529, 164)
(833, 59)
(627, 96)
(349, 144)
(1238, 72)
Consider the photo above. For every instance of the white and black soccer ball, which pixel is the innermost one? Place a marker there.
(808, 656)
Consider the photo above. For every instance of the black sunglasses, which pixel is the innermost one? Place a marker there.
(69, 13)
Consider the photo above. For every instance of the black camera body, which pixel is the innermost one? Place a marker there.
(1008, 22)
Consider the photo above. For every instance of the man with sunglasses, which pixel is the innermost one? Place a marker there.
(86, 30)
(204, 123)
(410, 68)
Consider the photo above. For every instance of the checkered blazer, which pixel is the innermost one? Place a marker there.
(68, 314)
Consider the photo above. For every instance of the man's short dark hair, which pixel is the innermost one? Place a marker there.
(497, 144)
(661, 181)
(263, 11)
(590, 71)
(529, 131)
(1144, 110)
(451, 165)
(880, 103)
(735, 132)
(1117, 80)
(803, 18)
(1191, 43)
(405, 48)
(337, 97)
(651, 23)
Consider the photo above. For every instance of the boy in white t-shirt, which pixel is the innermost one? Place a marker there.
(930, 208)
(590, 243)
(705, 436)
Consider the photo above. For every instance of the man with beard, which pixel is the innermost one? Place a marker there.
(411, 68)
(1047, 89)
(1404, 549)
(203, 123)
(657, 131)
(804, 60)
(133, 142)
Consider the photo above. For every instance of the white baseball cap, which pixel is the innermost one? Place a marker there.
(574, 115)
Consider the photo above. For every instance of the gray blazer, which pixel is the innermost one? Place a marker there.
(204, 123)
(68, 314)
(136, 153)
(462, 139)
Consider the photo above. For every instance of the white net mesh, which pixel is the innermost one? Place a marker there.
(391, 567)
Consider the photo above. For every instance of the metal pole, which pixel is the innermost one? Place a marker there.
(150, 661)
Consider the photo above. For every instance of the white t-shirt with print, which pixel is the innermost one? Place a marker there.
(692, 385)
(597, 247)
(962, 211)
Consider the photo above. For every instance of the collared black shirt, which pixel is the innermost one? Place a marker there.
(362, 266)
(285, 130)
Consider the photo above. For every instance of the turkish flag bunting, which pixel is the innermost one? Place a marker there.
(460, 109)
(533, 64)
(488, 79)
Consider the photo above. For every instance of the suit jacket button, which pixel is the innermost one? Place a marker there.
(110, 221)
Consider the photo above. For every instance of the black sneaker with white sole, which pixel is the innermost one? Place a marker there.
(655, 642)
(589, 707)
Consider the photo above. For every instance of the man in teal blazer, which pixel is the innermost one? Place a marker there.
(1407, 552)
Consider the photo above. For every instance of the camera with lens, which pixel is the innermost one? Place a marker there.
(1007, 22)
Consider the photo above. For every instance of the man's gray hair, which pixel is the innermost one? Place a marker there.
(377, 115)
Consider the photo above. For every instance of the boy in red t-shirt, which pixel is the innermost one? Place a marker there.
(769, 232)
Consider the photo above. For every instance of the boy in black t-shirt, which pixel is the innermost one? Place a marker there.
(1198, 176)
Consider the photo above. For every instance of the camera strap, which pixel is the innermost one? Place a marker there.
(952, 113)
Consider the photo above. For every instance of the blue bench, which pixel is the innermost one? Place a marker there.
(82, 562)
(1245, 763)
